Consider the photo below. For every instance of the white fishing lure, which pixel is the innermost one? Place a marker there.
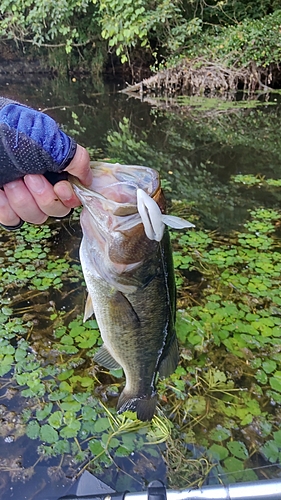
(153, 220)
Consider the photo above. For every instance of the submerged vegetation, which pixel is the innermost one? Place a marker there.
(46, 356)
(222, 405)
(236, 308)
(219, 414)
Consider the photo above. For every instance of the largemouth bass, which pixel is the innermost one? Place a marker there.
(127, 263)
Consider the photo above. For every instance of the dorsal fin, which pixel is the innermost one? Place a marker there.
(170, 361)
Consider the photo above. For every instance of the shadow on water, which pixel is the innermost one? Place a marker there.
(214, 167)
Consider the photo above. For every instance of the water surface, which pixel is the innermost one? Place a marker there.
(197, 154)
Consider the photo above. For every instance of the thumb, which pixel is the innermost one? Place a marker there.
(80, 166)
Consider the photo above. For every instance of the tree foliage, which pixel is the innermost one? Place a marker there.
(52, 23)
(242, 30)
(126, 24)
(252, 40)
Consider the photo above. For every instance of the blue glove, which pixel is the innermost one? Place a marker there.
(30, 143)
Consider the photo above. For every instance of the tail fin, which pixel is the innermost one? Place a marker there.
(144, 406)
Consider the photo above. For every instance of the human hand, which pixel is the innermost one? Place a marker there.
(33, 199)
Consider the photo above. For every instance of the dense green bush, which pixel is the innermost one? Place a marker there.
(237, 32)
(53, 23)
(233, 12)
(126, 24)
(256, 41)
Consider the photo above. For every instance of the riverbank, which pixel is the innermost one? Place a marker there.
(243, 55)
(199, 76)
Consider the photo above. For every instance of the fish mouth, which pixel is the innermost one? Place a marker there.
(114, 187)
(107, 176)
(110, 219)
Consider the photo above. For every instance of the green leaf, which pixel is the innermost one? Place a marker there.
(117, 373)
(218, 452)
(269, 366)
(48, 434)
(42, 414)
(220, 433)
(86, 381)
(64, 375)
(57, 395)
(232, 464)
(73, 406)
(65, 387)
(238, 449)
(275, 383)
(88, 413)
(6, 365)
(101, 424)
(114, 442)
(55, 420)
(271, 451)
(7, 350)
(61, 447)
(7, 311)
(95, 447)
(261, 377)
(277, 438)
(67, 340)
(71, 430)
(33, 429)
(121, 452)
(20, 354)
(129, 441)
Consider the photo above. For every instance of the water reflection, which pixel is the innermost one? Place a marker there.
(197, 152)
(197, 156)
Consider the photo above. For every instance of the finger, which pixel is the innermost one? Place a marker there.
(65, 193)
(22, 202)
(44, 196)
(7, 215)
(80, 166)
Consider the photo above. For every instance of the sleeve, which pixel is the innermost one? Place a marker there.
(30, 142)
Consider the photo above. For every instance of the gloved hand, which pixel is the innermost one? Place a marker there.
(32, 143)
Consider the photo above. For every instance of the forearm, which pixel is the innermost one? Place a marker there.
(30, 143)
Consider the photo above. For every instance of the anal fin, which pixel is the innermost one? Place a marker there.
(104, 358)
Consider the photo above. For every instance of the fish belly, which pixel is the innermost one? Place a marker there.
(134, 328)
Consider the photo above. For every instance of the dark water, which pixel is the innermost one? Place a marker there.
(197, 153)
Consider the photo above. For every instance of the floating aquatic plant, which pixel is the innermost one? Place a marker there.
(234, 323)
(228, 381)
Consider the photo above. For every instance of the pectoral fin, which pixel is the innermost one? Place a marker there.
(170, 361)
(123, 312)
(102, 357)
(89, 308)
